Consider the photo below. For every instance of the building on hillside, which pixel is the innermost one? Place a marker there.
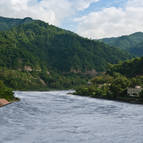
(89, 83)
(134, 92)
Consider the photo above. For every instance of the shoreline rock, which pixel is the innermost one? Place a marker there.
(4, 102)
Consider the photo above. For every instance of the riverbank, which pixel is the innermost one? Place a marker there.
(4, 102)
(131, 100)
(116, 87)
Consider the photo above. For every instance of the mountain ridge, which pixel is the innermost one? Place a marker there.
(131, 43)
(42, 53)
(7, 23)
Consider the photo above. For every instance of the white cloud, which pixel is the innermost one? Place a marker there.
(82, 4)
(112, 21)
(108, 22)
(48, 10)
(52, 11)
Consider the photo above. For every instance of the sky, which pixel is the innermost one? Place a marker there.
(89, 18)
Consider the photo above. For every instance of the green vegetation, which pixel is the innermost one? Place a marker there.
(19, 80)
(129, 68)
(8, 23)
(6, 93)
(45, 46)
(117, 82)
(38, 56)
(115, 87)
(132, 43)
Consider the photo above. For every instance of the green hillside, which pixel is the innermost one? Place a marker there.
(36, 54)
(39, 43)
(137, 50)
(132, 43)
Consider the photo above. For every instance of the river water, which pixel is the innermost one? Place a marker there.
(56, 117)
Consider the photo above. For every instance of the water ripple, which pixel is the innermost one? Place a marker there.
(57, 117)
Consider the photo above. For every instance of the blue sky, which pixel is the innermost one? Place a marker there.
(88, 18)
(69, 24)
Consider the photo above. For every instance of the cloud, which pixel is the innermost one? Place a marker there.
(52, 11)
(108, 22)
(111, 22)
(48, 10)
(82, 4)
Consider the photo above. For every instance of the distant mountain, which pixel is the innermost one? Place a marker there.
(137, 50)
(33, 52)
(132, 43)
(8, 23)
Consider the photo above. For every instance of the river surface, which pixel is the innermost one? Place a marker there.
(56, 117)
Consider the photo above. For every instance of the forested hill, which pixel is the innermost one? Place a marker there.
(38, 43)
(132, 43)
(36, 52)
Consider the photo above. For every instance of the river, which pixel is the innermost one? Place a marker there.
(56, 117)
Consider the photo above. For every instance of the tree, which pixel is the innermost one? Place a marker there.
(135, 81)
(6, 92)
(141, 94)
(119, 86)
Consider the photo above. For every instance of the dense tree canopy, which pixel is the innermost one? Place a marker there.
(129, 68)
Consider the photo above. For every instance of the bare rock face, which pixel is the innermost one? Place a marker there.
(43, 82)
(3, 102)
(48, 73)
(92, 72)
(28, 68)
(75, 71)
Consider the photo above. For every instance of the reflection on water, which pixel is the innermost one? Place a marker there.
(56, 117)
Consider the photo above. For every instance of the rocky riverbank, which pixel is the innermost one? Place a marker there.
(4, 102)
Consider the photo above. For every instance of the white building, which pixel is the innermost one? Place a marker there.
(134, 92)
